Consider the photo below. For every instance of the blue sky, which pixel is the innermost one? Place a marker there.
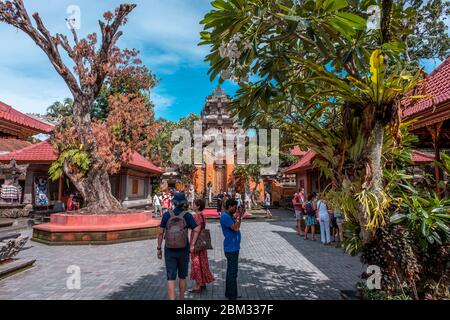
(166, 32)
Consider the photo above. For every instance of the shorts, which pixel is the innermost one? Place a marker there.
(334, 222)
(310, 220)
(339, 220)
(177, 261)
(298, 214)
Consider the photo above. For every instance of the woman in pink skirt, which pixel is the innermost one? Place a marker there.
(199, 260)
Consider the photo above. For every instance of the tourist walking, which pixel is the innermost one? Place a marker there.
(247, 198)
(324, 221)
(339, 218)
(165, 203)
(230, 221)
(200, 272)
(298, 202)
(267, 205)
(157, 208)
(174, 229)
(224, 201)
(310, 218)
(219, 203)
(239, 200)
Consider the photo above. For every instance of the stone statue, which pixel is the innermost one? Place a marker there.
(191, 195)
(248, 197)
(11, 192)
(11, 247)
(209, 192)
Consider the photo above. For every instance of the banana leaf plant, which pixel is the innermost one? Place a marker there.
(320, 59)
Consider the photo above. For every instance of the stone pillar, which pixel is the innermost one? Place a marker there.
(60, 187)
(29, 188)
(124, 187)
(147, 187)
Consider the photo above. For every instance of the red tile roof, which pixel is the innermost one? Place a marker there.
(418, 157)
(297, 152)
(38, 152)
(10, 114)
(139, 161)
(44, 152)
(304, 163)
(12, 144)
(437, 85)
(421, 157)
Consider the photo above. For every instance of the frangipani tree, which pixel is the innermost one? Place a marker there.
(302, 60)
(97, 61)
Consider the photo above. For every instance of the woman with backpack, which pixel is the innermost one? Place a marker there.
(200, 272)
(310, 219)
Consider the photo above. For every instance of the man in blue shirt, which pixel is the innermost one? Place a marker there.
(177, 260)
(231, 225)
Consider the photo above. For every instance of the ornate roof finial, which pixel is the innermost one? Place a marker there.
(219, 92)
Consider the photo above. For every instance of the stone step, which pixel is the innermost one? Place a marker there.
(14, 266)
(4, 223)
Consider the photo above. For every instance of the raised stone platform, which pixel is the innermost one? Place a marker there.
(77, 229)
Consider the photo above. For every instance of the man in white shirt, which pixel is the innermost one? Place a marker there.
(157, 209)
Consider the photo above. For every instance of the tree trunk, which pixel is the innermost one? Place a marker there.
(94, 186)
(374, 176)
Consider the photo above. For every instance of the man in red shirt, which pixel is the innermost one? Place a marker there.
(298, 202)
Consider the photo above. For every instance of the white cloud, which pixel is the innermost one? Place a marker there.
(29, 94)
(162, 102)
(166, 32)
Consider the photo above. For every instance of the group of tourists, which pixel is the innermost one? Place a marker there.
(223, 197)
(180, 248)
(314, 210)
(162, 202)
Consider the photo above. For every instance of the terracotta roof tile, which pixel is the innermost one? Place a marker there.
(421, 157)
(437, 85)
(418, 157)
(44, 152)
(297, 152)
(38, 152)
(11, 144)
(139, 161)
(10, 114)
(303, 163)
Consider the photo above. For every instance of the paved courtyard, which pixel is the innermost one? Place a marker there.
(275, 263)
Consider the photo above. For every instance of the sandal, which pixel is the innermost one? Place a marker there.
(195, 290)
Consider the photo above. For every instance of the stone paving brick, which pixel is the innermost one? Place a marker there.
(275, 263)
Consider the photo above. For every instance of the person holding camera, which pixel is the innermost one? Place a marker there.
(230, 221)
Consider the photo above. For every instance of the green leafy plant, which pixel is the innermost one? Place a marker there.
(427, 217)
(76, 157)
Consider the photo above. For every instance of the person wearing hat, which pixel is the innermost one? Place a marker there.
(173, 228)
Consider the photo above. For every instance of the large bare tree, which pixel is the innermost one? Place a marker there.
(94, 62)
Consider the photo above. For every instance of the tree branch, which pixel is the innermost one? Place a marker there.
(42, 37)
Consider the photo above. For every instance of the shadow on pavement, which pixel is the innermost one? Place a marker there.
(256, 281)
